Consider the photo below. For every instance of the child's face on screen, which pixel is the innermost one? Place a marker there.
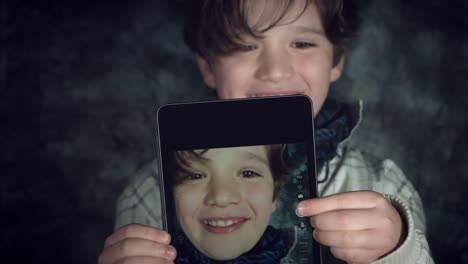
(225, 201)
(293, 57)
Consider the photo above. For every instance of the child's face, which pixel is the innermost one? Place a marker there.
(224, 204)
(292, 58)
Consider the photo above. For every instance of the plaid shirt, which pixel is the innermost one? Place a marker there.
(349, 170)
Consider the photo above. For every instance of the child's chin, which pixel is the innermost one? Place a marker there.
(227, 249)
(224, 254)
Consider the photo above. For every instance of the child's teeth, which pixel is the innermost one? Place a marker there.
(219, 222)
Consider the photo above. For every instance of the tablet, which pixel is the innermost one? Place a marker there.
(232, 174)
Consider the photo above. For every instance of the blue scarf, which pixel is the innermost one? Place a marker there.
(271, 248)
(331, 125)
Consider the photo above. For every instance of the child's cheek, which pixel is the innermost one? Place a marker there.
(260, 197)
(186, 199)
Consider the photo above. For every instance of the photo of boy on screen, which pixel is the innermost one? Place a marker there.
(224, 199)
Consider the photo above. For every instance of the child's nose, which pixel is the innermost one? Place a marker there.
(274, 66)
(222, 193)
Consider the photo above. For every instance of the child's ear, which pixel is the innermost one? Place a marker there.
(337, 70)
(206, 71)
(273, 206)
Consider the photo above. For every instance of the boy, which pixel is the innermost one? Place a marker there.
(224, 198)
(369, 212)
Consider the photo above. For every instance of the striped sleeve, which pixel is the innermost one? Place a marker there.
(140, 202)
(401, 193)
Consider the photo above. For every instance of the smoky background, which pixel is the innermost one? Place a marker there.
(80, 82)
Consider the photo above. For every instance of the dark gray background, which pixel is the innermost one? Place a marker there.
(80, 82)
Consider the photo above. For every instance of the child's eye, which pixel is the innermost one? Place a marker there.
(250, 174)
(193, 177)
(303, 45)
(246, 47)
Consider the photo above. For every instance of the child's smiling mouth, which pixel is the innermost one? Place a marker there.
(223, 225)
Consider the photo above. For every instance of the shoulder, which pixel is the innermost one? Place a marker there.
(144, 178)
(350, 158)
(140, 201)
(352, 169)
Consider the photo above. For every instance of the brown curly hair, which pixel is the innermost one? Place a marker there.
(215, 27)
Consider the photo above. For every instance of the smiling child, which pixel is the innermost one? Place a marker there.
(368, 212)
